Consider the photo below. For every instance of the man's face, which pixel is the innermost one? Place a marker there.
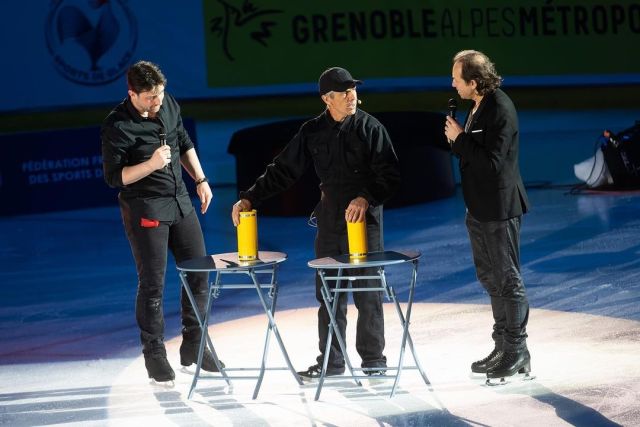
(148, 103)
(465, 90)
(342, 104)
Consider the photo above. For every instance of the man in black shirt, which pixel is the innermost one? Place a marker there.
(358, 169)
(143, 145)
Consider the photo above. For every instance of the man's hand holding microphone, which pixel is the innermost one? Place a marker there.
(451, 127)
(161, 157)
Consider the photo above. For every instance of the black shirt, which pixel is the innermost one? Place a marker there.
(129, 139)
(352, 158)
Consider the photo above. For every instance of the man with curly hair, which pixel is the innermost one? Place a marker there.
(495, 197)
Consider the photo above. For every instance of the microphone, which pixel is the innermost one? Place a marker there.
(453, 107)
(162, 135)
(359, 101)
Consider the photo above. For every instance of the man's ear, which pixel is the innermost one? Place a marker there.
(131, 93)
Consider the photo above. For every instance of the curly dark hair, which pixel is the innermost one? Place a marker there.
(477, 66)
(143, 76)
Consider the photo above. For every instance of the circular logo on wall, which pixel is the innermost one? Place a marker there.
(91, 41)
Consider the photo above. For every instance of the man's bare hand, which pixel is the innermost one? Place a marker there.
(239, 206)
(205, 194)
(356, 210)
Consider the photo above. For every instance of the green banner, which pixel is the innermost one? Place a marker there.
(266, 42)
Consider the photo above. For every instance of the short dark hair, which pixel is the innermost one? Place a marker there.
(477, 66)
(143, 76)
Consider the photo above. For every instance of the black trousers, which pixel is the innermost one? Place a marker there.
(496, 255)
(370, 327)
(183, 237)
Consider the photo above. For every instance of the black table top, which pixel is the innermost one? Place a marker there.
(373, 259)
(229, 262)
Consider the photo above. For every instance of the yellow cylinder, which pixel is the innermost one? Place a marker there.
(357, 234)
(248, 236)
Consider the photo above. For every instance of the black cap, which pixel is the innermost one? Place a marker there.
(336, 79)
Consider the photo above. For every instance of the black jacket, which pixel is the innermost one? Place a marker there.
(352, 158)
(488, 151)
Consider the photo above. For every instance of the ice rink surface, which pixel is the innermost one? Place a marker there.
(69, 350)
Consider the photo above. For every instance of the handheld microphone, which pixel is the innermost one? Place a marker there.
(453, 107)
(162, 135)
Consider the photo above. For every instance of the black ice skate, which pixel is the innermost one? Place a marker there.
(159, 369)
(509, 365)
(189, 356)
(481, 366)
(155, 360)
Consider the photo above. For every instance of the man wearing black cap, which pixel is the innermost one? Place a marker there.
(358, 170)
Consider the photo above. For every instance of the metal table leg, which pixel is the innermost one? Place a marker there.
(204, 334)
(331, 303)
(230, 264)
(330, 298)
(406, 336)
(271, 328)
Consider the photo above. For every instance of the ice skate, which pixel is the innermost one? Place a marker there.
(481, 366)
(155, 360)
(510, 366)
(159, 370)
(189, 356)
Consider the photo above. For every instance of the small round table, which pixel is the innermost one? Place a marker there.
(229, 264)
(330, 294)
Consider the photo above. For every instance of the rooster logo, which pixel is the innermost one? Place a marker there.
(91, 41)
(237, 17)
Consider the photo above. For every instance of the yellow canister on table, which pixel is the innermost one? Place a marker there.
(248, 236)
(357, 234)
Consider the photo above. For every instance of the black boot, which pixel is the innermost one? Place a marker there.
(155, 360)
(481, 366)
(511, 363)
(189, 355)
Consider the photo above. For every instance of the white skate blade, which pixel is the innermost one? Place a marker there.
(162, 384)
(375, 380)
(492, 382)
(477, 375)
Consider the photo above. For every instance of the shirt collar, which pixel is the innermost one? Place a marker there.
(135, 114)
(339, 125)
